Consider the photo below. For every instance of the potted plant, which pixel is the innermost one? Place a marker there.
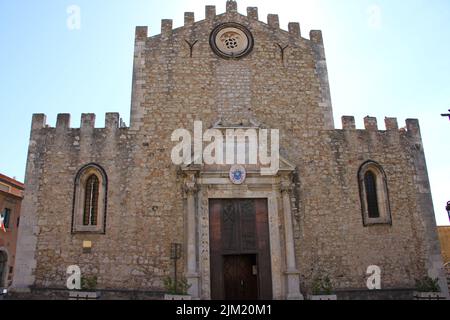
(88, 290)
(428, 289)
(322, 289)
(177, 289)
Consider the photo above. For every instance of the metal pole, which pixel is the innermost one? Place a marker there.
(448, 209)
(175, 256)
(176, 276)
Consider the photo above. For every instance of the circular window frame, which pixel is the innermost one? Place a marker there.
(245, 30)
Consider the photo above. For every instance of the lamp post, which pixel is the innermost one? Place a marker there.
(446, 115)
(175, 255)
(448, 209)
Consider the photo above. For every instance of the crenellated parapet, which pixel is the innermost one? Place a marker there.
(141, 33)
(112, 121)
(412, 128)
(231, 6)
(87, 137)
(273, 21)
(252, 13)
(166, 28)
(211, 14)
(77, 146)
(374, 139)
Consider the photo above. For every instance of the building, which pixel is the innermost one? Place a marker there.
(11, 195)
(113, 200)
(444, 236)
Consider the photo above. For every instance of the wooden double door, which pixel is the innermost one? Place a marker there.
(240, 250)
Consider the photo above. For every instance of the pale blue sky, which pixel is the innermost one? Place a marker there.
(385, 58)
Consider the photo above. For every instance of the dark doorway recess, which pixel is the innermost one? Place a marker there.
(240, 250)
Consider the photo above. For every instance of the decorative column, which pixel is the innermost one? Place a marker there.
(292, 273)
(192, 270)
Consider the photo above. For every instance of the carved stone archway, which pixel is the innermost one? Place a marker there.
(203, 183)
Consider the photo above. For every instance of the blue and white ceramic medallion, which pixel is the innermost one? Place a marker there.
(238, 174)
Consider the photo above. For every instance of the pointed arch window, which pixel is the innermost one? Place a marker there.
(371, 195)
(89, 213)
(374, 194)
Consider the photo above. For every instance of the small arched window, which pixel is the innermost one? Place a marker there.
(374, 194)
(89, 212)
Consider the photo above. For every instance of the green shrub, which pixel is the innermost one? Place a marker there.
(322, 286)
(89, 283)
(428, 284)
(180, 287)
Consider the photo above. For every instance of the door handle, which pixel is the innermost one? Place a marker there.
(242, 283)
(255, 270)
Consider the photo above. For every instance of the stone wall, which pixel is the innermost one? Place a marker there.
(331, 237)
(137, 240)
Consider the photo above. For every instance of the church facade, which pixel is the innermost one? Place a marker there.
(113, 201)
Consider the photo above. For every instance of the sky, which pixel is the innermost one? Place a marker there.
(385, 58)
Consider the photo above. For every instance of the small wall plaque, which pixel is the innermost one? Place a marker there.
(87, 246)
(238, 174)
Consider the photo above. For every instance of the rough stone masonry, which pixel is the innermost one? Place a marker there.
(250, 74)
